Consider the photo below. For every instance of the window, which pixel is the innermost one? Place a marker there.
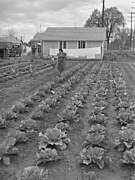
(81, 44)
(62, 44)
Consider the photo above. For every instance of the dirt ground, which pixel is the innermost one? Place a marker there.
(69, 167)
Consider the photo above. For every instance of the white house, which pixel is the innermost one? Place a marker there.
(71, 38)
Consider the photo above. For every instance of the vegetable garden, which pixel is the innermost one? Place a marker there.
(76, 127)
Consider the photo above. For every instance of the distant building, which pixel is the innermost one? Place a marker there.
(70, 38)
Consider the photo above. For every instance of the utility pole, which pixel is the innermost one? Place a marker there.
(131, 33)
(131, 30)
(103, 12)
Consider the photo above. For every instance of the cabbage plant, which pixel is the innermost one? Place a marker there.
(28, 125)
(93, 155)
(32, 173)
(97, 128)
(3, 122)
(127, 136)
(99, 118)
(123, 117)
(8, 114)
(19, 107)
(62, 126)
(129, 156)
(91, 175)
(18, 135)
(54, 137)
(44, 107)
(69, 114)
(94, 139)
(37, 115)
(46, 155)
(7, 148)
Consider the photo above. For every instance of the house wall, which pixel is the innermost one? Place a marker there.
(96, 44)
(47, 45)
(70, 45)
(91, 44)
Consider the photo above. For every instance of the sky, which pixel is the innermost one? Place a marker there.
(27, 17)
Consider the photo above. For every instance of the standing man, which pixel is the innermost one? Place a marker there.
(61, 61)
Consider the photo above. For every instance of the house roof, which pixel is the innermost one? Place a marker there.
(13, 40)
(4, 43)
(38, 37)
(71, 34)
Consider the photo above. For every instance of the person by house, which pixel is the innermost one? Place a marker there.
(61, 61)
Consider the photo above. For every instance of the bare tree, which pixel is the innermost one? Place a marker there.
(11, 33)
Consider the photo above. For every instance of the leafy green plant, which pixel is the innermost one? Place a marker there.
(97, 110)
(44, 107)
(8, 114)
(28, 102)
(37, 115)
(97, 128)
(41, 93)
(18, 135)
(6, 148)
(99, 118)
(91, 175)
(93, 155)
(46, 88)
(129, 156)
(35, 97)
(28, 125)
(46, 155)
(69, 115)
(67, 86)
(53, 136)
(51, 102)
(32, 173)
(3, 122)
(95, 136)
(123, 117)
(77, 100)
(127, 137)
(19, 107)
(101, 103)
(62, 126)
(123, 104)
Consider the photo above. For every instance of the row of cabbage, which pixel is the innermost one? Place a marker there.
(20, 70)
(125, 110)
(54, 140)
(94, 147)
